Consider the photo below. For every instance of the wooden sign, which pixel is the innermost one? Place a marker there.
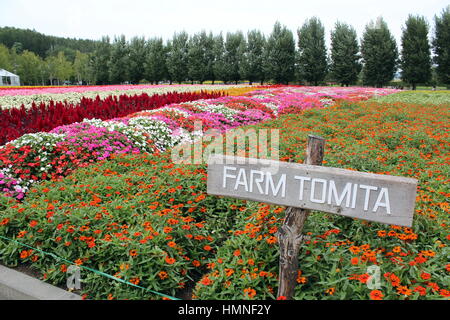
(367, 196)
(305, 187)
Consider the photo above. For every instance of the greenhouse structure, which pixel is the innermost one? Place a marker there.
(9, 79)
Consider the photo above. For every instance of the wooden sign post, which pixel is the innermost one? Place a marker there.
(309, 186)
(290, 237)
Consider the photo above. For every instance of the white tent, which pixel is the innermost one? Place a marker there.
(8, 79)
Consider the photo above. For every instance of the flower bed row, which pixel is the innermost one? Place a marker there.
(16, 122)
(40, 156)
(16, 98)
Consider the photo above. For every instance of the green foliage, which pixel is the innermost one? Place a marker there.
(379, 53)
(100, 61)
(441, 46)
(177, 57)
(312, 61)
(219, 66)
(155, 65)
(117, 65)
(205, 56)
(82, 68)
(345, 65)
(138, 52)
(419, 96)
(279, 55)
(415, 60)
(233, 55)
(201, 57)
(41, 44)
(252, 63)
(5, 58)
(29, 68)
(58, 68)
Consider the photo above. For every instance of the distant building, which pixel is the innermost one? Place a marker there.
(9, 79)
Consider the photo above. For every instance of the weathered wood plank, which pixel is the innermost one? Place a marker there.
(367, 196)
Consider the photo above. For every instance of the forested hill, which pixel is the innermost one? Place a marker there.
(41, 44)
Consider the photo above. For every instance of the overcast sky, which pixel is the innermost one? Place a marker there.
(92, 19)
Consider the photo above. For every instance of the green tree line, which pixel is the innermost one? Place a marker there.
(373, 60)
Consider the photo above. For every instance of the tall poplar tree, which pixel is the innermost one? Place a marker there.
(233, 55)
(118, 64)
(251, 67)
(415, 57)
(441, 46)
(138, 54)
(312, 62)
(100, 61)
(379, 53)
(155, 65)
(345, 65)
(201, 57)
(177, 57)
(279, 55)
(219, 66)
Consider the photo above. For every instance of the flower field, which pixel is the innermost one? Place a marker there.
(75, 135)
(15, 98)
(103, 193)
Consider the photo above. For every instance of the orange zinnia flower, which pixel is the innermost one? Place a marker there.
(24, 254)
(421, 290)
(425, 276)
(404, 290)
(251, 293)
(133, 253)
(376, 295)
(163, 275)
(229, 272)
(33, 223)
(444, 293)
(271, 240)
(170, 260)
(171, 244)
(206, 281)
(397, 249)
(354, 249)
(330, 291)
(167, 229)
(381, 233)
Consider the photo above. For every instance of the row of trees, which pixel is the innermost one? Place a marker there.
(44, 45)
(55, 69)
(256, 58)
